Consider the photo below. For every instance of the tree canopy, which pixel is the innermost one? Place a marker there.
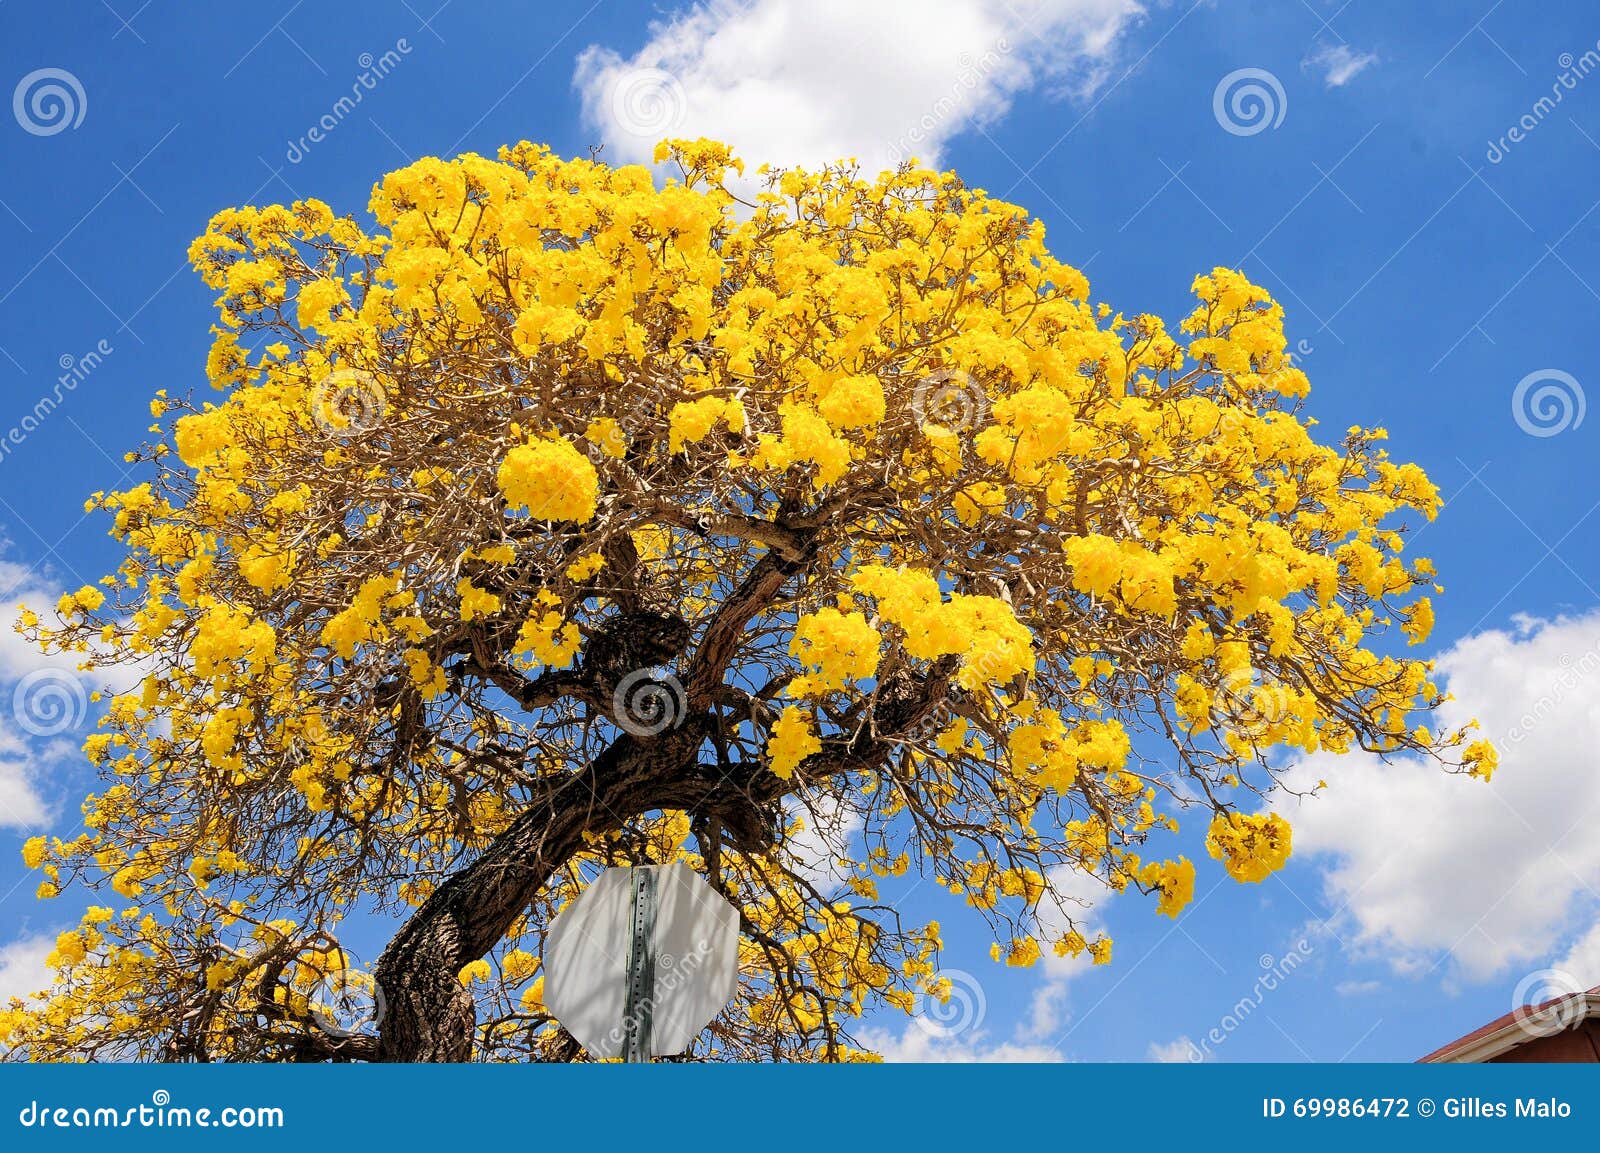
(571, 515)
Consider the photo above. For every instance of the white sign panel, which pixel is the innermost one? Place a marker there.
(671, 931)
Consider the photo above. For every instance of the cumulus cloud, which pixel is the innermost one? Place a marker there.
(41, 698)
(23, 971)
(829, 836)
(1085, 898)
(811, 81)
(45, 699)
(1426, 866)
(1582, 962)
(1338, 63)
(21, 805)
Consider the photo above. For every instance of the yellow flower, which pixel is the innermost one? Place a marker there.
(692, 420)
(267, 567)
(1173, 882)
(1252, 848)
(546, 638)
(476, 602)
(1480, 759)
(586, 566)
(854, 402)
(551, 479)
(33, 852)
(837, 647)
(791, 742)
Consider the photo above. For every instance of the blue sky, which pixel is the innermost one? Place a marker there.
(1429, 261)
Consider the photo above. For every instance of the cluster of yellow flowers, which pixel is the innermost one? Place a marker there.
(837, 647)
(1172, 881)
(982, 630)
(1250, 847)
(793, 739)
(1043, 745)
(550, 478)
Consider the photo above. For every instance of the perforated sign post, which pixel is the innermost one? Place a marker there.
(642, 961)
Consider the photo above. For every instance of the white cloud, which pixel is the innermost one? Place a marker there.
(829, 836)
(1582, 962)
(1178, 1051)
(1338, 63)
(916, 1044)
(1357, 988)
(811, 81)
(1048, 1014)
(45, 702)
(1496, 875)
(39, 697)
(22, 969)
(21, 806)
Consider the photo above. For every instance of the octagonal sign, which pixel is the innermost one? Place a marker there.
(642, 961)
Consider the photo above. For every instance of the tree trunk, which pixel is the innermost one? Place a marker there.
(427, 1014)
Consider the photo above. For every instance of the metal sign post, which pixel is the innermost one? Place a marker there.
(640, 1005)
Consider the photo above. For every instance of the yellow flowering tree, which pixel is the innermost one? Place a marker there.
(571, 517)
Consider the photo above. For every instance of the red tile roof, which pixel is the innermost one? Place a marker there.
(1504, 1020)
